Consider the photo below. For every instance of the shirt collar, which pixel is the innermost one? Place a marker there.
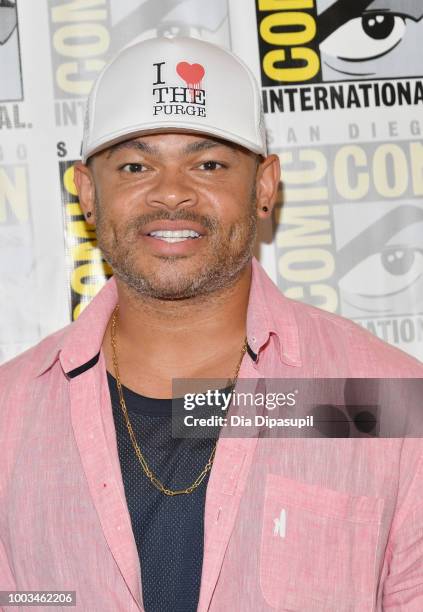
(80, 342)
(269, 312)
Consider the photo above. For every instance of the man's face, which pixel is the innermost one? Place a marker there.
(175, 213)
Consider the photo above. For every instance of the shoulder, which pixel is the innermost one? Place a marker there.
(340, 335)
(83, 334)
(28, 364)
(329, 343)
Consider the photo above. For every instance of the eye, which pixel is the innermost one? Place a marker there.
(393, 271)
(133, 168)
(365, 38)
(398, 260)
(211, 165)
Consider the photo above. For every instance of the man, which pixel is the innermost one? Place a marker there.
(96, 495)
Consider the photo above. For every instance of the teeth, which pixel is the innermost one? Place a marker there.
(175, 235)
(171, 239)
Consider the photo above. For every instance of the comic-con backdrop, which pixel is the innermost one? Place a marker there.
(342, 90)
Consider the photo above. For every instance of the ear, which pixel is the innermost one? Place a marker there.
(84, 183)
(267, 185)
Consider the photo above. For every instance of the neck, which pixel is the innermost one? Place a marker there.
(180, 338)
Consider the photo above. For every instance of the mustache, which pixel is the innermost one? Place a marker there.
(210, 223)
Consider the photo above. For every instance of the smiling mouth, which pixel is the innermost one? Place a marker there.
(175, 235)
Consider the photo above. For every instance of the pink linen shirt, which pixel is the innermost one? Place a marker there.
(352, 509)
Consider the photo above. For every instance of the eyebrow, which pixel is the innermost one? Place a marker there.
(338, 14)
(410, 8)
(144, 147)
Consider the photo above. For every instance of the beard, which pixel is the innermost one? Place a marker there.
(229, 250)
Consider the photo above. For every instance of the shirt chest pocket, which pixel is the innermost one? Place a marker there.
(318, 548)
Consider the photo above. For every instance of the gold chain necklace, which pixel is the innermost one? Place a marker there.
(150, 475)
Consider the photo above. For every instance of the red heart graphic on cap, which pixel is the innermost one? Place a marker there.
(191, 73)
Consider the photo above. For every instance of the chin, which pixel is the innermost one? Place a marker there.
(162, 285)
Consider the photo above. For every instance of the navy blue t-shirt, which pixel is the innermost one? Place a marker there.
(168, 530)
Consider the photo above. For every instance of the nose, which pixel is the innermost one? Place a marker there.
(172, 190)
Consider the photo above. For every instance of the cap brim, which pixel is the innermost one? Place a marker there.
(157, 128)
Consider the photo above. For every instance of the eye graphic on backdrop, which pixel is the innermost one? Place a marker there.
(10, 65)
(394, 271)
(370, 38)
(365, 38)
(399, 260)
(8, 20)
(381, 269)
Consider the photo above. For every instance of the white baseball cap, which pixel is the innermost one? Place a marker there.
(174, 83)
